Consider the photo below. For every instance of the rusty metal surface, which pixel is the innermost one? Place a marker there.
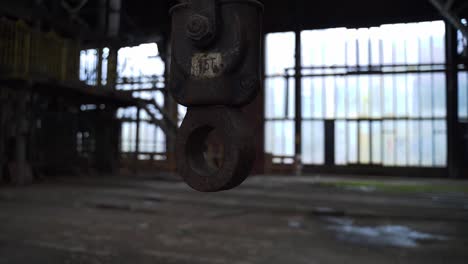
(216, 65)
(215, 70)
(238, 152)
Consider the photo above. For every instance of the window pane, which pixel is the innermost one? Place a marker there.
(401, 143)
(364, 142)
(340, 143)
(363, 93)
(439, 95)
(440, 143)
(279, 138)
(425, 95)
(279, 52)
(401, 95)
(463, 95)
(413, 102)
(352, 141)
(388, 95)
(313, 142)
(426, 139)
(352, 97)
(279, 98)
(376, 142)
(389, 143)
(414, 151)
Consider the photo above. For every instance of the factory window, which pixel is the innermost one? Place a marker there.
(382, 90)
(463, 80)
(141, 70)
(279, 96)
(88, 66)
(463, 96)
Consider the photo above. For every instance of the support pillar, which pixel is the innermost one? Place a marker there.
(329, 143)
(255, 114)
(170, 105)
(107, 137)
(298, 104)
(112, 68)
(137, 141)
(99, 68)
(453, 139)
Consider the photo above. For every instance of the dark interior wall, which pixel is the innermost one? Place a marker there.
(13, 125)
(48, 128)
(75, 141)
(108, 130)
(3, 100)
(56, 139)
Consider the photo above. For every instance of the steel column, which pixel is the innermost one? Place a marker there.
(112, 61)
(99, 68)
(298, 103)
(453, 151)
(137, 134)
(330, 143)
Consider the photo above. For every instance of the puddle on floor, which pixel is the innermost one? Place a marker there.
(366, 189)
(383, 235)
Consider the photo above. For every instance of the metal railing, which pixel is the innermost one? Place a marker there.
(26, 53)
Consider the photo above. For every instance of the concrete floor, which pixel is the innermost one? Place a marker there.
(267, 220)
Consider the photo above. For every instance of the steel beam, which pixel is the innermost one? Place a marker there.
(446, 11)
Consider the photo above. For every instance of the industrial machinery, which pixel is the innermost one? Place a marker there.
(215, 71)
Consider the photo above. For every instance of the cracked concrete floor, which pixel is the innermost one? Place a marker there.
(267, 220)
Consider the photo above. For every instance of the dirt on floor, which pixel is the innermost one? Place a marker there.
(267, 220)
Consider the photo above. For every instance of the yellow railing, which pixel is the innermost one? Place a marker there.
(26, 53)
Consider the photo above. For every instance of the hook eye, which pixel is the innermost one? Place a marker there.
(205, 150)
(215, 148)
